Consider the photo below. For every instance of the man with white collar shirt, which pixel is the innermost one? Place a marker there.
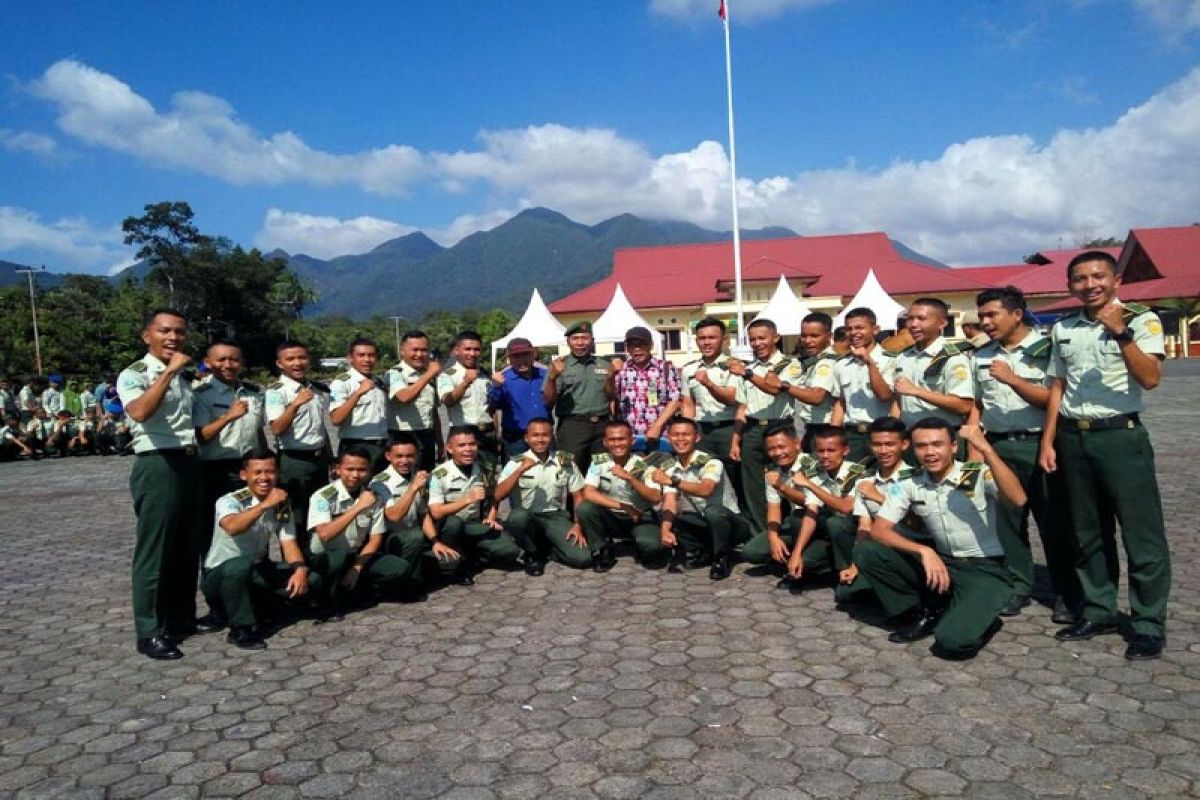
(358, 402)
(933, 377)
(413, 400)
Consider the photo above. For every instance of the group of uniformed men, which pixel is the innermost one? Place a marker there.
(912, 486)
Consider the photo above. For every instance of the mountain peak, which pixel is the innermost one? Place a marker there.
(414, 245)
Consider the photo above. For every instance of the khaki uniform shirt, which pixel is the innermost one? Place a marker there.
(253, 543)
(709, 408)
(959, 511)
(759, 404)
(368, 419)
(803, 463)
(307, 431)
(1089, 360)
(702, 467)
(818, 374)
(330, 503)
(473, 408)
(866, 507)
(599, 476)
(839, 484)
(414, 416)
(170, 426)
(448, 484)
(28, 400)
(953, 377)
(852, 383)
(211, 400)
(546, 485)
(390, 486)
(52, 401)
(1003, 410)
(581, 387)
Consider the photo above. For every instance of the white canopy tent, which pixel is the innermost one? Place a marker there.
(785, 309)
(872, 296)
(619, 317)
(537, 325)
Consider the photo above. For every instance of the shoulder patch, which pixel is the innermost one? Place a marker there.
(451, 371)
(440, 473)
(856, 469)
(973, 466)
(243, 494)
(893, 353)
(957, 348)
(328, 493)
(563, 458)
(779, 368)
(203, 387)
(380, 478)
(1040, 349)
(138, 366)
(700, 459)
(342, 376)
(1136, 308)
(601, 458)
(906, 472)
(274, 387)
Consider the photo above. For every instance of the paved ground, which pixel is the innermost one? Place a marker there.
(627, 685)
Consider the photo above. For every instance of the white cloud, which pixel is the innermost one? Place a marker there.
(738, 9)
(325, 237)
(201, 132)
(1176, 18)
(27, 142)
(72, 243)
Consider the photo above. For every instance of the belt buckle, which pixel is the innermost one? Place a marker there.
(190, 450)
(594, 418)
(762, 423)
(1083, 424)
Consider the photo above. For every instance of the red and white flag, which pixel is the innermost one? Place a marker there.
(721, 10)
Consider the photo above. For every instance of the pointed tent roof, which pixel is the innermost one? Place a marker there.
(619, 317)
(785, 309)
(872, 295)
(537, 325)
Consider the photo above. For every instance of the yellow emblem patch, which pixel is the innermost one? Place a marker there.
(1154, 327)
(824, 369)
(960, 373)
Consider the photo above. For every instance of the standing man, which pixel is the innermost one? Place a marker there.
(710, 398)
(647, 390)
(763, 400)
(516, 393)
(52, 397)
(358, 403)
(814, 392)
(297, 410)
(8, 400)
(933, 377)
(463, 389)
(1105, 356)
(1011, 397)
(414, 397)
(165, 484)
(862, 382)
(580, 389)
(29, 399)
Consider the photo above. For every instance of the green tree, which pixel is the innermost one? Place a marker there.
(166, 236)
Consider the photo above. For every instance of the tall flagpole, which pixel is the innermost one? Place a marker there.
(737, 233)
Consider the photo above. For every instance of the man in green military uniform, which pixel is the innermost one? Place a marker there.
(165, 484)
(297, 410)
(580, 389)
(464, 513)
(463, 389)
(358, 402)
(1011, 396)
(862, 382)
(404, 492)
(346, 529)
(762, 400)
(414, 397)
(1105, 356)
(700, 510)
(710, 398)
(539, 481)
(238, 571)
(813, 395)
(619, 500)
(956, 588)
(933, 377)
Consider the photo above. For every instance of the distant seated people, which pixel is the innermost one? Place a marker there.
(238, 575)
(87, 428)
(12, 440)
(38, 430)
(62, 430)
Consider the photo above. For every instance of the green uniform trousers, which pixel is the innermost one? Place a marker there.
(235, 587)
(302, 473)
(758, 550)
(830, 550)
(602, 525)
(1047, 504)
(979, 588)
(544, 533)
(716, 439)
(582, 438)
(167, 499)
(1111, 473)
(408, 545)
(753, 468)
(384, 576)
(476, 542)
(716, 531)
(860, 444)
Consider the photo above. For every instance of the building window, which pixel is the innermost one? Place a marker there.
(619, 347)
(673, 339)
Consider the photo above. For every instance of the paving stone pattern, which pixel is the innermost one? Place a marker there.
(627, 685)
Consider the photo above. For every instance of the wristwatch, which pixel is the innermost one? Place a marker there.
(1124, 336)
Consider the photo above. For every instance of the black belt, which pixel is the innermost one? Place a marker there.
(592, 418)
(1120, 421)
(762, 423)
(993, 436)
(713, 424)
(858, 427)
(375, 442)
(972, 559)
(171, 452)
(297, 453)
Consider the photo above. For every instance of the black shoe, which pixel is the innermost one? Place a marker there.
(209, 623)
(1144, 647)
(1014, 605)
(697, 560)
(246, 637)
(604, 560)
(535, 567)
(463, 579)
(1085, 629)
(160, 648)
(922, 625)
(721, 569)
(326, 616)
(1064, 614)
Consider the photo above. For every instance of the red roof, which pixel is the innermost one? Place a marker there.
(1051, 277)
(688, 275)
(1002, 275)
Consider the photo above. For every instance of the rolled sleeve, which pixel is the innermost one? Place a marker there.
(959, 380)
(895, 507)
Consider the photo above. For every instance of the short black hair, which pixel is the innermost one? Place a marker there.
(862, 312)
(680, 419)
(466, 336)
(829, 432)
(406, 438)
(462, 430)
(260, 454)
(163, 310)
(784, 426)
(818, 318)
(540, 420)
(1010, 297)
(618, 423)
(223, 343)
(934, 302)
(362, 341)
(355, 451)
(763, 322)
(1091, 255)
(888, 425)
(710, 322)
(289, 344)
(413, 334)
(934, 424)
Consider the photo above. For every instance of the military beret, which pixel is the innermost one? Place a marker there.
(579, 327)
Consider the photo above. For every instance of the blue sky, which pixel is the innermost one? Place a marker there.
(973, 131)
